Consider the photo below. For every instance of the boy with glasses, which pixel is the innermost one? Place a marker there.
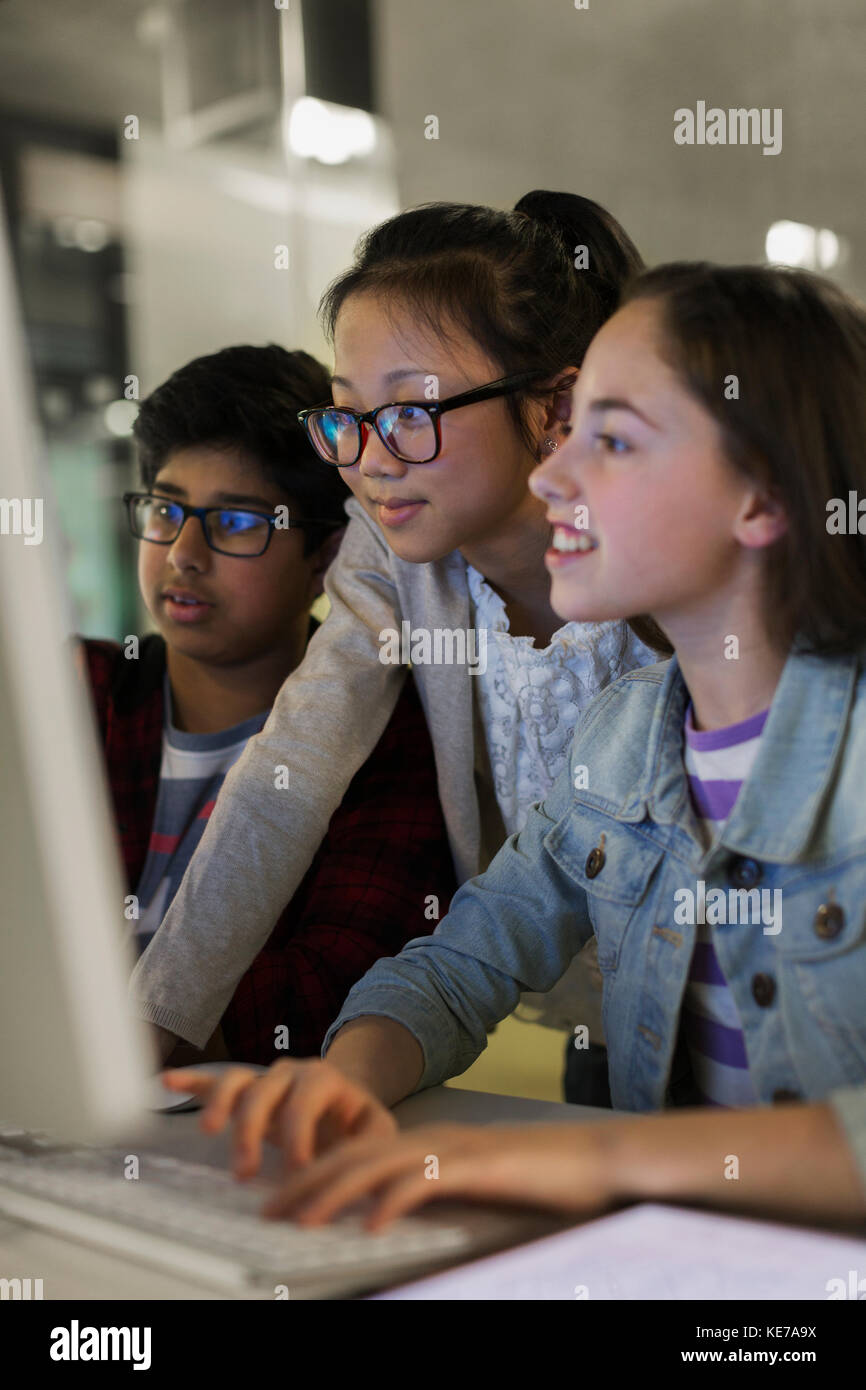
(237, 522)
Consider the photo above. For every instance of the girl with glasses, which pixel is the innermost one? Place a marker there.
(457, 336)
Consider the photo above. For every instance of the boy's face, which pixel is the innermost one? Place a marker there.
(252, 603)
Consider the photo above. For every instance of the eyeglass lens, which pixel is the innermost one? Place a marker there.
(237, 532)
(407, 430)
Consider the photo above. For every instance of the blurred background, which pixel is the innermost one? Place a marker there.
(181, 175)
(155, 153)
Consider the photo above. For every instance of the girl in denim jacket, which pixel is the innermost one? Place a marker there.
(710, 828)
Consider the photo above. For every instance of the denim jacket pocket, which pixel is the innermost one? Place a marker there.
(613, 863)
(822, 951)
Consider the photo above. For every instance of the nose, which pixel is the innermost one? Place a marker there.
(189, 549)
(553, 481)
(376, 461)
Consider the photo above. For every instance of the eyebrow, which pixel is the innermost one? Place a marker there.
(240, 499)
(620, 403)
(399, 374)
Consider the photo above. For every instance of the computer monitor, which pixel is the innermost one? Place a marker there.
(73, 1059)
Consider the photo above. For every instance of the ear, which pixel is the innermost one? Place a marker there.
(322, 558)
(761, 521)
(559, 409)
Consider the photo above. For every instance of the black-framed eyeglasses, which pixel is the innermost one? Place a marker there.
(236, 531)
(410, 430)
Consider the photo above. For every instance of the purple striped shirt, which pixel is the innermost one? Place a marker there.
(717, 763)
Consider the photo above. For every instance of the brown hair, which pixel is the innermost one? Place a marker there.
(508, 279)
(248, 398)
(795, 424)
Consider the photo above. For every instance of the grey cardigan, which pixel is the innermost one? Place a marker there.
(325, 722)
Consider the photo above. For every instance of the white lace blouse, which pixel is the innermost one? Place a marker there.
(530, 701)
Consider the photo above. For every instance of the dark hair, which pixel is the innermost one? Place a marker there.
(248, 398)
(796, 423)
(509, 279)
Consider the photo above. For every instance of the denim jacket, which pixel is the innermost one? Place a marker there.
(798, 826)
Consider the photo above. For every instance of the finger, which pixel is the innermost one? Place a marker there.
(370, 1121)
(355, 1176)
(200, 1083)
(228, 1088)
(303, 1183)
(465, 1175)
(399, 1196)
(319, 1093)
(255, 1114)
(373, 1122)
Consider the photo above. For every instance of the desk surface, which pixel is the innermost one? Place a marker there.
(74, 1271)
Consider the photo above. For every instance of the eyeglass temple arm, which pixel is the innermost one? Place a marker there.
(478, 393)
(495, 388)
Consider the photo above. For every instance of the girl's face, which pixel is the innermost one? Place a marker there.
(477, 481)
(649, 517)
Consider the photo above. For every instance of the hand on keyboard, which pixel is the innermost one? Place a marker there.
(557, 1167)
(305, 1106)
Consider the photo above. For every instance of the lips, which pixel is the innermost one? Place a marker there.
(185, 596)
(569, 546)
(568, 541)
(185, 607)
(395, 511)
(393, 503)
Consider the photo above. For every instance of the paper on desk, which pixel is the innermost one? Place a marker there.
(657, 1252)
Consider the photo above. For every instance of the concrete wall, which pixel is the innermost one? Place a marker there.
(535, 95)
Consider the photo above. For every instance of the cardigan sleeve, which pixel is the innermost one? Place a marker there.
(382, 875)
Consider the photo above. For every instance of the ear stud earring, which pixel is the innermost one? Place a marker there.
(551, 445)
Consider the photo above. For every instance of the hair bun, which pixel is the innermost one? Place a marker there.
(542, 205)
(576, 221)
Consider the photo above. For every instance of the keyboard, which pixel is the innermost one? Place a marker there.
(198, 1221)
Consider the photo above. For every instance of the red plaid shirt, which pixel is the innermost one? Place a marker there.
(363, 896)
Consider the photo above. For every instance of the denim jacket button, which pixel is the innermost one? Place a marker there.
(829, 921)
(594, 862)
(744, 873)
(763, 989)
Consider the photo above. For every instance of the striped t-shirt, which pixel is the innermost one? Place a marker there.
(191, 772)
(717, 763)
